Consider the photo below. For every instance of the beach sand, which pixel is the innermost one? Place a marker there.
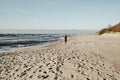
(84, 57)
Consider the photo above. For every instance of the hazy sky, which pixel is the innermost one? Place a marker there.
(58, 14)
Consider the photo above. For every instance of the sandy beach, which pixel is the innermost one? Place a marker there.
(84, 57)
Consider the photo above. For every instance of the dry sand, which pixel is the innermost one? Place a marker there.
(84, 57)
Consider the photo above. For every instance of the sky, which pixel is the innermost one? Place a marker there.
(59, 14)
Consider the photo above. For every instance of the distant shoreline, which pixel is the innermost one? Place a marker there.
(14, 40)
(46, 31)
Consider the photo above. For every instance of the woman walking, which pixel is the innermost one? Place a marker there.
(65, 39)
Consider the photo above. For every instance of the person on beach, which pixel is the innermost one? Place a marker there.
(65, 39)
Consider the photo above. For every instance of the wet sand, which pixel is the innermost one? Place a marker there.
(84, 57)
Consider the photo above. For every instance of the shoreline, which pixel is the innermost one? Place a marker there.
(22, 48)
(86, 56)
(42, 45)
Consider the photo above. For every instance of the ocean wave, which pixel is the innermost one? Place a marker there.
(23, 40)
